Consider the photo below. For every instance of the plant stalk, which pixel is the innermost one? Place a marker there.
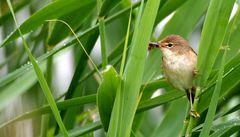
(192, 119)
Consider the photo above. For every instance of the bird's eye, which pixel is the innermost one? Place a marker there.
(170, 45)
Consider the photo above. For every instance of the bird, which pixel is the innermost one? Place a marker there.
(179, 62)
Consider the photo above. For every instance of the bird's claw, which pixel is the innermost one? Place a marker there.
(195, 72)
(194, 114)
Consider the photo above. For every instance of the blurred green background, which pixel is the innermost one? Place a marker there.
(85, 97)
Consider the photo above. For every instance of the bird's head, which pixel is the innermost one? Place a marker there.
(172, 45)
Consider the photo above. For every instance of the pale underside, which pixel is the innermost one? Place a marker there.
(178, 69)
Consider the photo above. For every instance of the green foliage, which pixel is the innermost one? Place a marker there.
(216, 23)
(130, 97)
(106, 94)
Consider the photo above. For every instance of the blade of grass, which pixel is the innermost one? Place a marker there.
(214, 100)
(157, 101)
(12, 76)
(106, 6)
(103, 43)
(6, 97)
(49, 75)
(79, 42)
(168, 7)
(126, 43)
(219, 129)
(230, 81)
(185, 18)
(144, 106)
(114, 122)
(84, 129)
(59, 30)
(235, 122)
(41, 79)
(68, 114)
(22, 70)
(228, 123)
(49, 12)
(217, 15)
(18, 6)
(227, 132)
(9, 93)
(79, 101)
(106, 94)
(171, 121)
(234, 40)
(131, 81)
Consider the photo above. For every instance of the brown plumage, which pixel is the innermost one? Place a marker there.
(179, 63)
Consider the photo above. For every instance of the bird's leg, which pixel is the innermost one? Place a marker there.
(190, 99)
(193, 112)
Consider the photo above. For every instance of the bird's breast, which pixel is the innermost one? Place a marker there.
(178, 69)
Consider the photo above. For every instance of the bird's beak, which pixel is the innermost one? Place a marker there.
(152, 45)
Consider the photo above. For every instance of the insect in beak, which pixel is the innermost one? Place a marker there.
(152, 45)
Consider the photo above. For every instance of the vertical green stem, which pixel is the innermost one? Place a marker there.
(99, 5)
(214, 101)
(185, 126)
(192, 119)
(126, 43)
(45, 118)
(103, 42)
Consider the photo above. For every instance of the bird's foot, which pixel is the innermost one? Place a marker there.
(195, 72)
(194, 113)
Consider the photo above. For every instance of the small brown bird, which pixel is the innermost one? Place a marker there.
(179, 65)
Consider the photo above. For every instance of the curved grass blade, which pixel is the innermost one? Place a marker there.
(51, 11)
(226, 132)
(18, 6)
(167, 8)
(78, 101)
(106, 6)
(74, 19)
(222, 129)
(12, 76)
(9, 93)
(79, 42)
(185, 18)
(41, 79)
(157, 101)
(84, 129)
